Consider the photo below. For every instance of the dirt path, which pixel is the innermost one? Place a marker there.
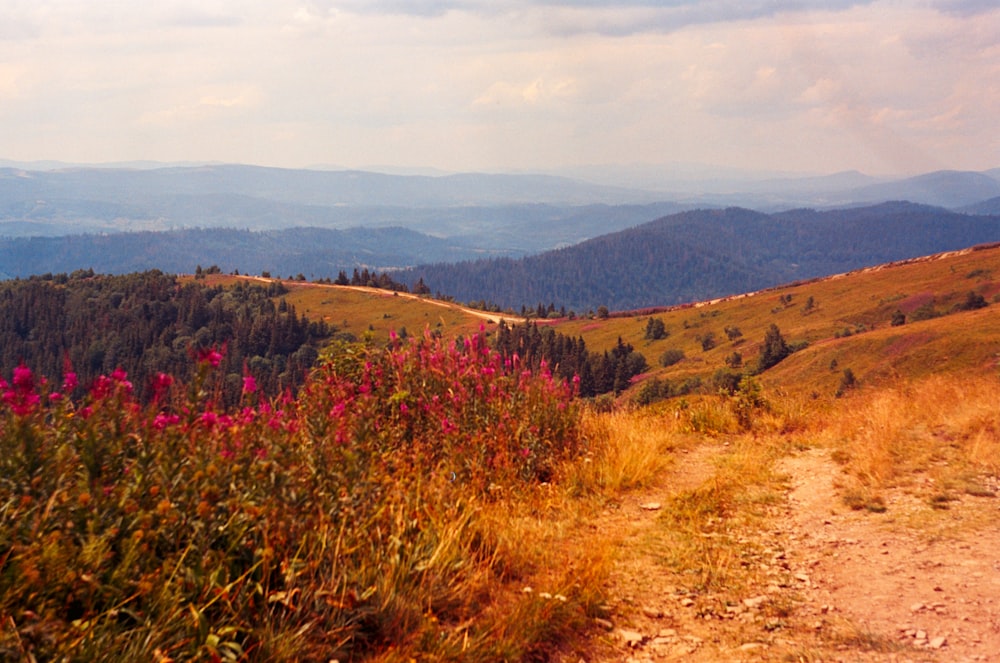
(816, 582)
(914, 576)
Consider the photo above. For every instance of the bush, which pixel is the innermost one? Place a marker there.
(671, 357)
(326, 527)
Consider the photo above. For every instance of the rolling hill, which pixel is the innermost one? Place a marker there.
(705, 254)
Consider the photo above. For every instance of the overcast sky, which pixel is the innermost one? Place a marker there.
(883, 87)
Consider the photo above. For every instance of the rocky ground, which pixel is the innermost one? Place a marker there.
(812, 580)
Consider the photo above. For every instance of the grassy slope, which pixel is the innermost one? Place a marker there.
(358, 311)
(860, 300)
(863, 300)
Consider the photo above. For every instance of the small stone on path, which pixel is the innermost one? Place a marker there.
(630, 638)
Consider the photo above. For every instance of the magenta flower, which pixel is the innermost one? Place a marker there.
(70, 381)
(210, 356)
(249, 384)
(163, 420)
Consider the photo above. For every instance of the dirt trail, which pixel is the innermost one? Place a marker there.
(823, 582)
(934, 589)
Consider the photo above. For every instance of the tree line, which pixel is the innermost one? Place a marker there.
(147, 323)
(568, 358)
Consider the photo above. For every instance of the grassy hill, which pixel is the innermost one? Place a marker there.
(847, 326)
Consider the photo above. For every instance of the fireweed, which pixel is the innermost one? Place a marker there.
(330, 525)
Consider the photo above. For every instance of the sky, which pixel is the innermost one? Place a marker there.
(883, 87)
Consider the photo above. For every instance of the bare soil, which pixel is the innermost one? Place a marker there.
(815, 580)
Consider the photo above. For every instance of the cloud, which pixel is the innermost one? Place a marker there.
(195, 18)
(604, 17)
(965, 7)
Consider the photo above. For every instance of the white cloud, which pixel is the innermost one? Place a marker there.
(501, 83)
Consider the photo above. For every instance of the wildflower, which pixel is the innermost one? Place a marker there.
(23, 379)
(249, 384)
(209, 419)
(70, 381)
(162, 420)
(101, 388)
(210, 356)
(22, 397)
(120, 377)
(161, 383)
(403, 408)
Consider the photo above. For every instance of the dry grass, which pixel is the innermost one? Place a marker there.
(939, 435)
(628, 450)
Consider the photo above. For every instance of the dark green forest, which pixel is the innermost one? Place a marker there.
(147, 323)
(568, 358)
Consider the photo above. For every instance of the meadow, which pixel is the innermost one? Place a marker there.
(423, 499)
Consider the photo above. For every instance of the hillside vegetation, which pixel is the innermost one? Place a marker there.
(436, 500)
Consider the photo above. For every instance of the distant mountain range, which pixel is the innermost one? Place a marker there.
(547, 238)
(53, 201)
(704, 254)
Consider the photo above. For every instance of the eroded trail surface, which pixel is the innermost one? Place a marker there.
(808, 579)
(925, 579)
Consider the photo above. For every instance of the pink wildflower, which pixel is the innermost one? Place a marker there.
(210, 356)
(163, 420)
(70, 381)
(249, 384)
(161, 384)
(22, 397)
(209, 419)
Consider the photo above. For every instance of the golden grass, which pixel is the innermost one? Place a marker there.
(862, 302)
(945, 428)
(628, 450)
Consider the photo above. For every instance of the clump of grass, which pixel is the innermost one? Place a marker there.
(350, 522)
(627, 450)
(858, 499)
(704, 529)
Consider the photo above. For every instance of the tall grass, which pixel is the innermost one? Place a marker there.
(943, 427)
(348, 523)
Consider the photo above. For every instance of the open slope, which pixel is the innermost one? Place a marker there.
(848, 325)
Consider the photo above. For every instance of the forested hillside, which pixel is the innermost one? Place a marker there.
(150, 323)
(706, 254)
(314, 252)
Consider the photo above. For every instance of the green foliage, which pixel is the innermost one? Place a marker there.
(333, 526)
(773, 350)
(733, 333)
(151, 323)
(973, 301)
(707, 341)
(655, 330)
(898, 318)
(847, 382)
(671, 357)
(594, 373)
(656, 389)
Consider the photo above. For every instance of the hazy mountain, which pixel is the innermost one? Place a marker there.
(991, 206)
(705, 254)
(946, 188)
(313, 252)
